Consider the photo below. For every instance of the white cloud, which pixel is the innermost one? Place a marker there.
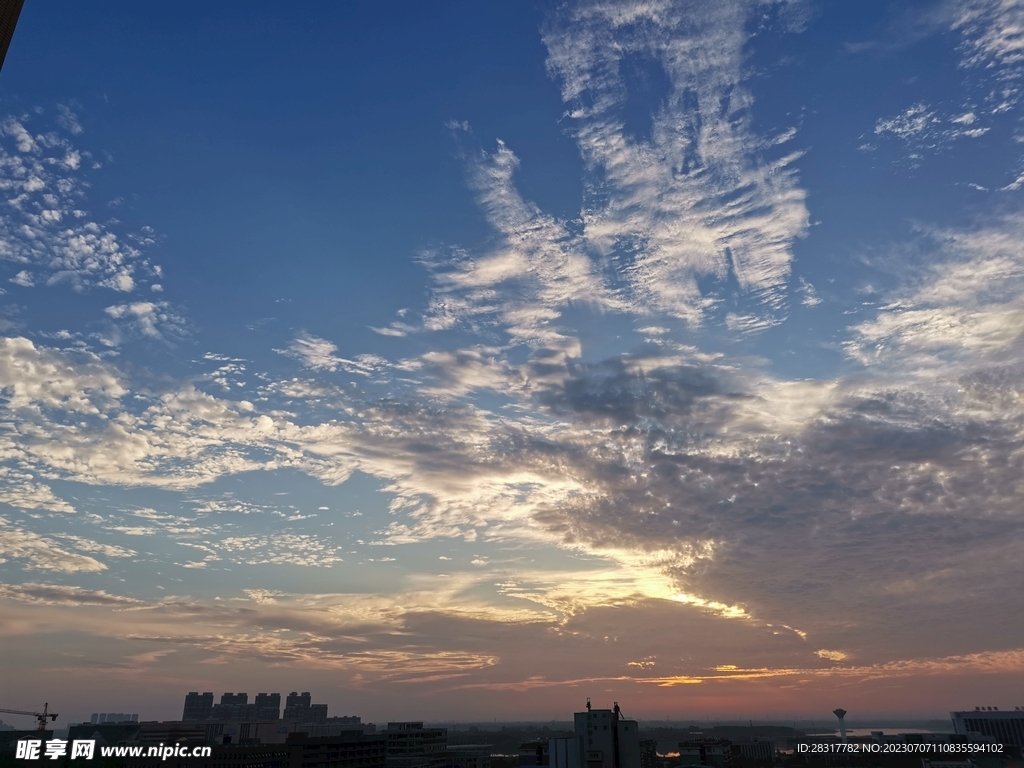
(280, 549)
(966, 310)
(992, 30)
(36, 377)
(43, 228)
(811, 298)
(228, 505)
(69, 120)
(750, 323)
(41, 553)
(538, 269)
(914, 122)
(24, 279)
(263, 596)
(155, 320)
(18, 490)
(699, 196)
(921, 127)
(88, 545)
(992, 46)
(702, 196)
(319, 354)
(176, 438)
(14, 128)
(1014, 185)
(824, 653)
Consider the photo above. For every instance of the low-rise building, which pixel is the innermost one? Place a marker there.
(1005, 727)
(759, 750)
(468, 756)
(104, 733)
(151, 734)
(10, 737)
(350, 750)
(410, 745)
(533, 753)
(257, 756)
(353, 749)
(716, 752)
(113, 717)
(648, 753)
(334, 726)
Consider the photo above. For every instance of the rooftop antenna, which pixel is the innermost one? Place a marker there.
(588, 703)
(841, 713)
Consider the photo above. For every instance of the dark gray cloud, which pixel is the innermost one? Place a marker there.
(610, 391)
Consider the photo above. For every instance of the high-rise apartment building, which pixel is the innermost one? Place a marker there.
(299, 706)
(234, 706)
(198, 706)
(268, 706)
(297, 701)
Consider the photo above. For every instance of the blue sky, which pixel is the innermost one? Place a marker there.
(466, 361)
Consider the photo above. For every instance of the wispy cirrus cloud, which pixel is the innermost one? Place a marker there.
(991, 32)
(991, 50)
(965, 311)
(320, 355)
(924, 127)
(539, 268)
(700, 196)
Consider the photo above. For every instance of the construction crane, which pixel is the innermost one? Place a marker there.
(40, 716)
